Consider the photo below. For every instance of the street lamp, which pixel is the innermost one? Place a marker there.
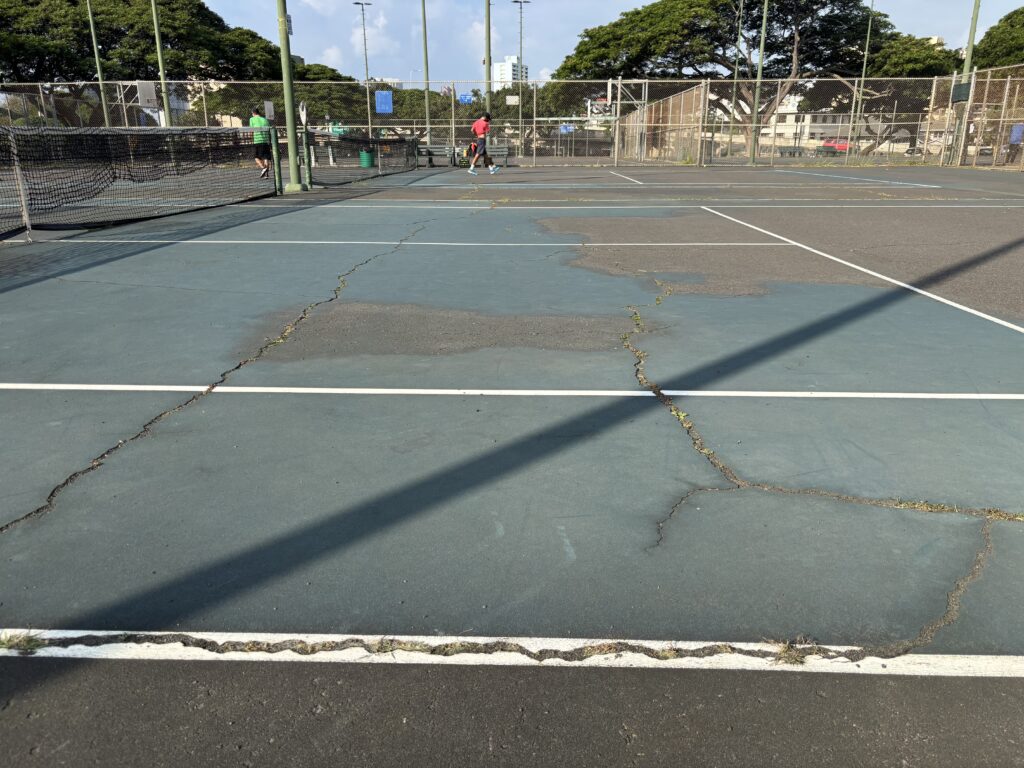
(426, 70)
(521, 3)
(487, 54)
(160, 64)
(735, 75)
(99, 65)
(366, 63)
(969, 57)
(858, 99)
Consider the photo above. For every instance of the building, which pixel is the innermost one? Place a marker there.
(508, 72)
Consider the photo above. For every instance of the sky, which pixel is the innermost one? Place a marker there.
(329, 31)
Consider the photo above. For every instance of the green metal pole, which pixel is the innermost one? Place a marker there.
(858, 100)
(735, 76)
(294, 180)
(366, 65)
(487, 54)
(99, 65)
(756, 116)
(168, 122)
(969, 58)
(426, 70)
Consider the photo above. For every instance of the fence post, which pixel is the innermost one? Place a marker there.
(534, 141)
(961, 150)
(618, 121)
(19, 182)
(700, 128)
(980, 132)
(854, 112)
(206, 115)
(1002, 120)
(454, 151)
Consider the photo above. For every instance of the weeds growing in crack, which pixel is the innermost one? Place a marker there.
(26, 643)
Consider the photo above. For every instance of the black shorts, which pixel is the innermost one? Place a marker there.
(263, 151)
(481, 146)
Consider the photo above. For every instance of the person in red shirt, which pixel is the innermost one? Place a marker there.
(480, 129)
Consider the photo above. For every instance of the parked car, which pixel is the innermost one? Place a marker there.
(914, 152)
(837, 145)
(984, 151)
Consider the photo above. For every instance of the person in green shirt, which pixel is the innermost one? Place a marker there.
(261, 142)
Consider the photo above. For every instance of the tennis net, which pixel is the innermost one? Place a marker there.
(59, 178)
(336, 159)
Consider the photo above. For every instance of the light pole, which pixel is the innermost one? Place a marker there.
(366, 64)
(426, 70)
(294, 179)
(735, 75)
(99, 65)
(969, 57)
(756, 116)
(487, 54)
(521, 3)
(160, 64)
(859, 97)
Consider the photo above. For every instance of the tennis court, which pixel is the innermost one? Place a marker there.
(640, 416)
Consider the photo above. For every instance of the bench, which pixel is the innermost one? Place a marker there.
(790, 151)
(498, 154)
(430, 151)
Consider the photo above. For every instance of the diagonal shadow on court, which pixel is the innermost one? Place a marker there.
(165, 606)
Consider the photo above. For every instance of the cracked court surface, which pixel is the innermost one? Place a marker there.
(719, 406)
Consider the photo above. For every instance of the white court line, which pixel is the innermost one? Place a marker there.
(767, 203)
(627, 653)
(879, 275)
(409, 244)
(861, 178)
(613, 173)
(420, 392)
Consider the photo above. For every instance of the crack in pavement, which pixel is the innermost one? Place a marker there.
(797, 650)
(147, 428)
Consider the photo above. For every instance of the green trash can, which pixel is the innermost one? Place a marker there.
(365, 159)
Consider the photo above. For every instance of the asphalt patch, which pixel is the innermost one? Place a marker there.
(344, 329)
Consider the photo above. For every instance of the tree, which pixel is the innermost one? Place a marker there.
(909, 56)
(1003, 44)
(697, 39)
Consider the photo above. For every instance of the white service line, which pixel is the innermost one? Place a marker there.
(613, 173)
(861, 178)
(516, 652)
(412, 244)
(879, 275)
(767, 203)
(420, 392)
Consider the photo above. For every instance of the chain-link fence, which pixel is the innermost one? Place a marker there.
(940, 121)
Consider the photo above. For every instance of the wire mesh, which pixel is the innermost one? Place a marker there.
(57, 178)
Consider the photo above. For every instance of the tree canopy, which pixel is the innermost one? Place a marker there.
(698, 38)
(48, 40)
(1003, 44)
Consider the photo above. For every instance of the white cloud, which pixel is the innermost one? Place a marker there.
(325, 7)
(475, 39)
(545, 74)
(332, 57)
(378, 42)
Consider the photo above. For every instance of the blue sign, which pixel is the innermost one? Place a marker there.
(566, 128)
(465, 98)
(384, 106)
(1017, 134)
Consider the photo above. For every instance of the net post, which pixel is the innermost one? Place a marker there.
(19, 182)
(275, 153)
(307, 159)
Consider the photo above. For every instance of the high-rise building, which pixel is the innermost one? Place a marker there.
(509, 72)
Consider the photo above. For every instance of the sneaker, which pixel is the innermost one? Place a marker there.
(495, 169)
(472, 172)
(265, 173)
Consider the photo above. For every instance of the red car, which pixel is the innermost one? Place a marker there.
(836, 145)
